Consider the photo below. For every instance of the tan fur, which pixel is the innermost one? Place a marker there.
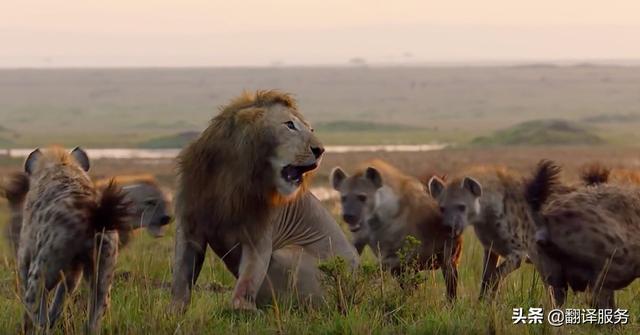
(237, 193)
(401, 207)
(236, 132)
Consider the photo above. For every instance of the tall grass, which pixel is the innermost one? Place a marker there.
(141, 296)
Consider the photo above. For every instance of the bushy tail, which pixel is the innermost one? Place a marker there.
(537, 191)
(113, 209)
(542, 185)
(595, 174)
(15, 188)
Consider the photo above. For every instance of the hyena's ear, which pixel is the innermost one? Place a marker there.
(32, 159)
(436, 187)
(373, 175)
(81, 157)
(336, 177)
(472, 186)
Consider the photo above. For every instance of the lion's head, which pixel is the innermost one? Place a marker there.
(256, 153)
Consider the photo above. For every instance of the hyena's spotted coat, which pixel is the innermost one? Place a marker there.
(68, 229)
(500, 215)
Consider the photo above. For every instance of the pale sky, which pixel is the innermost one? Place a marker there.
(49, 33)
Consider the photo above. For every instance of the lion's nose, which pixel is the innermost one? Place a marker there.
(317, 151)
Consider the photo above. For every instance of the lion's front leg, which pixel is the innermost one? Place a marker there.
(254, 264)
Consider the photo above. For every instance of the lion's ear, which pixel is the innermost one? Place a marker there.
(336, 177)
(373, 175)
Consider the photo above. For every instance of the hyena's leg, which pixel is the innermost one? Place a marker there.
(600, 297)
(489, 263)
(552, 275)
(603, 299)
(41, 278)
(508, 265)
(102, 277)
(69, 285)
(189, 255)
(449, 269)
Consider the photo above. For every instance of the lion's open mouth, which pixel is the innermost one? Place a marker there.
(294, 173)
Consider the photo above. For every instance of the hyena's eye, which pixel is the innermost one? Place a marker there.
(150, 202)
(442, 209)
(290, 125)
(343, 198)
(362, 198)
(461, 207)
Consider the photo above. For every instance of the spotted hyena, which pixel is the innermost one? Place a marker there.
(587, 239)
(500, 215)
(149, 208)
(69, 229)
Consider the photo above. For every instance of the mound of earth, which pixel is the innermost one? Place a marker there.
(542, 132)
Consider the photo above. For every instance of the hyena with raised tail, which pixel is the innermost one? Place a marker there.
(496, 206)
(69, 228)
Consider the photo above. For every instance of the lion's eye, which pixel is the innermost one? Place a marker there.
(290, 125)
(362, 198)
(150, 202)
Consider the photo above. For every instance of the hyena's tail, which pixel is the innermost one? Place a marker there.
(113, 209)
(595, 174)
(15, 188)
(543, 184)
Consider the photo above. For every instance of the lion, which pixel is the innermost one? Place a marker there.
(242, 191)
(382, 207)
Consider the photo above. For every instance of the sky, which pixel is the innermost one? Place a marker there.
(122, 33)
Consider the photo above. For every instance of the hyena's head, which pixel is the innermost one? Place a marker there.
(357, 194)
(458, 201)
(42, 161)
(150, 206)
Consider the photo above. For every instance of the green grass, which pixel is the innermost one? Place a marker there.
(141, 297)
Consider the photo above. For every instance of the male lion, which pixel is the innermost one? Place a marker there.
(241, 190)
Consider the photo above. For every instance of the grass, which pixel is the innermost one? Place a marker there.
(141, 298)
(141, 293)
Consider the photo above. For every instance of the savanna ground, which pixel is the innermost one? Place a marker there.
(127, 107)
(141, 293)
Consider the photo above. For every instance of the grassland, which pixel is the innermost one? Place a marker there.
(141, 292)
(125, 107)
